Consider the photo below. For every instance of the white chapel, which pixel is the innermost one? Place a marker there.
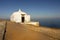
(21, 17)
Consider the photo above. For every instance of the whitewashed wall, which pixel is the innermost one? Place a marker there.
(27, 18)
(16, 17)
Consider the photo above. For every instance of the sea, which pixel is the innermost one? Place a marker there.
(49, 22)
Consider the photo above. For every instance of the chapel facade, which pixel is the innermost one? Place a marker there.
(20, 17)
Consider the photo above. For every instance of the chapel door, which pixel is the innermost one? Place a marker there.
(23, 19)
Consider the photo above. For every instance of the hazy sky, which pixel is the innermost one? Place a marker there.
(36, 8)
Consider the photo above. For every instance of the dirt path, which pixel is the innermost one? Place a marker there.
(27, 32)
(23, 32)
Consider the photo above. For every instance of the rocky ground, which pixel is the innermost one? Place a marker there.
(16, 31)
